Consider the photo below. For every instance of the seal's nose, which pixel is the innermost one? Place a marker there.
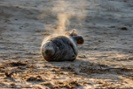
(49, 51)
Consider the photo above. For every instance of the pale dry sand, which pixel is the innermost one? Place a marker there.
(104, 61)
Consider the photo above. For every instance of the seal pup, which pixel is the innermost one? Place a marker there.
(61, 48)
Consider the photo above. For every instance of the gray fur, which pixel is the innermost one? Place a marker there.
(60, 48)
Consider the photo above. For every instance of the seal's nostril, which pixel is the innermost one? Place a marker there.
(73, 56)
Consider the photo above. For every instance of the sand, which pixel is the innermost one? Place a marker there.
(105, 60)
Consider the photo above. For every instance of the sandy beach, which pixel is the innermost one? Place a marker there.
(105, 60)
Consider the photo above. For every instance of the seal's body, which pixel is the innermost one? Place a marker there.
(60, 48)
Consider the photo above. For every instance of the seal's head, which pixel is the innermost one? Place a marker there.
(48, 50)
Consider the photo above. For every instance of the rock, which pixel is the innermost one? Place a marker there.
(124, 28)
